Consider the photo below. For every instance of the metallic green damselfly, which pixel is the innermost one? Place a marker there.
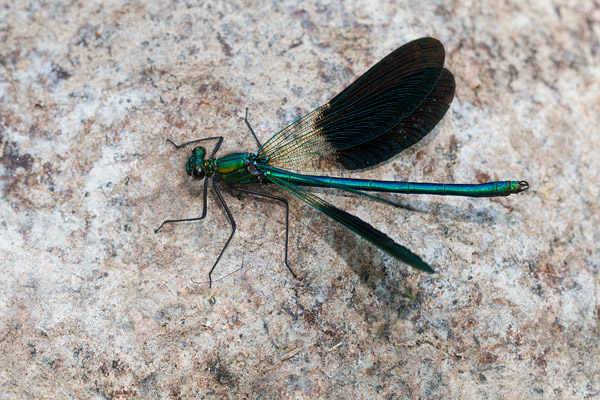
(388, 109)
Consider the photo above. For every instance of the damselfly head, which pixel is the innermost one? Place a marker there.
(196, 163)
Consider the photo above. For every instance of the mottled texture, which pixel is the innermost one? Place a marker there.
(94, 305)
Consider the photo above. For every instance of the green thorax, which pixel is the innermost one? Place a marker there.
(232, 168)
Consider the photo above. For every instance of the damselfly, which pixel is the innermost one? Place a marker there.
(388, 109)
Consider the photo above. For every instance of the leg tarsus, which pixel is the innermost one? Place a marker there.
(204, 209)
(173, 143)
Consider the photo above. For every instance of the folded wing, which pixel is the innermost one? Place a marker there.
(330, 137)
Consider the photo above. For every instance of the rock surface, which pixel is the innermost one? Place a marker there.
(94, 305)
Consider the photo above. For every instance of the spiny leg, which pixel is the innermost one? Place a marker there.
(170, 221)
(287, 219)
(231, 220)
(179, 146)
(251, 130)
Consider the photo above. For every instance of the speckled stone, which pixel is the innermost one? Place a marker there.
(95, 305)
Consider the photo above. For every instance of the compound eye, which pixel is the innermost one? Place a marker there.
(198, 172)
(199, 151)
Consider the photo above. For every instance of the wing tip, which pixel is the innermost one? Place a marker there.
(431, 42)
(426, 268)
(417, 263)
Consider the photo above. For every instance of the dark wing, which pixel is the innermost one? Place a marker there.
(406, 133)
(375, 103)
(356, 225)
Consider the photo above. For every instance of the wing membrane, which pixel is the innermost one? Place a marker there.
(375, 103)
(356, 225)
(407, 132)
